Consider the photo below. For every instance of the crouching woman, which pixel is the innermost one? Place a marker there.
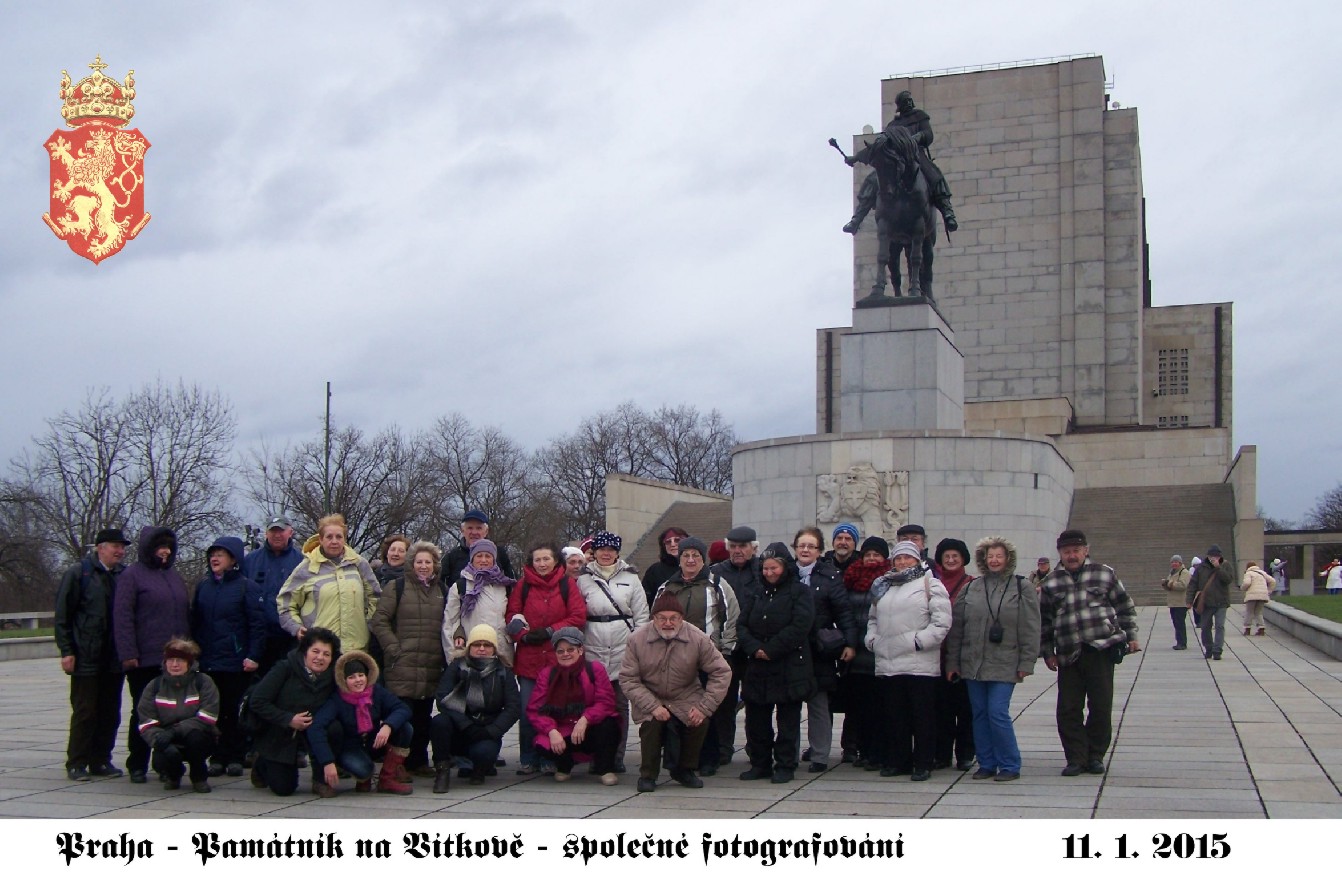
(179, 712)
(361, 719)
(478, 702)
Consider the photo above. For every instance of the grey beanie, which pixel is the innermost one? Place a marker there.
(567, 633)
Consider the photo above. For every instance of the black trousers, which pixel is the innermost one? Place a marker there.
(421, 710)
(600, 743)
(909, 715)
(452, 736)
(720, 739)
(765, 749)
(232, 742)
(955, 722)
(174, 750)
(861, 716)
(280, 777)
(137, 680)
(1087, 684)
(95, 716)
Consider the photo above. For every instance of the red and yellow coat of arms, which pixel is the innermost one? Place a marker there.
(97, 169)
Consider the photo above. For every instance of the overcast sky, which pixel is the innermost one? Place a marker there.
(528, 212)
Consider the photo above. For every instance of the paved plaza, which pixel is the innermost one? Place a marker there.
(1257, 735)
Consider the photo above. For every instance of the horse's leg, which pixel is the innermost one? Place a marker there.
(925, 274)
(893, 263)
(882, 259)
(913, 252)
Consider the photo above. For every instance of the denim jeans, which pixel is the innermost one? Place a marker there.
(994, 735)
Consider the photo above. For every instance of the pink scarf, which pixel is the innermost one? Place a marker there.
(363, 708)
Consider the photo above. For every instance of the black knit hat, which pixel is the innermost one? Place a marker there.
(875, 543)
(952, 544)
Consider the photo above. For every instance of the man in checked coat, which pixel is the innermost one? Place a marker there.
(1088, 624)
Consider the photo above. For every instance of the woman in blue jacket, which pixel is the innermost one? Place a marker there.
(229, 624)
(362, 718)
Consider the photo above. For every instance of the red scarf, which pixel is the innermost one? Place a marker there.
(363, 708)
(564, 698)
(859, 576)
(953, 581)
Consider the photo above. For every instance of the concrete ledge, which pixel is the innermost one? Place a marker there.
(28, 648)
(1321, 634)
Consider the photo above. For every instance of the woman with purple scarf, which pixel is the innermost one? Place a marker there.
(479, 597)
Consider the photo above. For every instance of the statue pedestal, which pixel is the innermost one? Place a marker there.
(901, 370)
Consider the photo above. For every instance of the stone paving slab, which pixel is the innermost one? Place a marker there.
(1256, 735)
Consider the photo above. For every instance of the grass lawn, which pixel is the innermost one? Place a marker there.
(27, 633)
(1325, 606)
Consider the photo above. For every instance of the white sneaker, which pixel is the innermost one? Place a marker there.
(562, 776)
(610, 779)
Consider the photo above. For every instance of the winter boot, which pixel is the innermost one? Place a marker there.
(1246, 629)
(387, 779)
(364, 786)
(442, 777)
(1261, 631)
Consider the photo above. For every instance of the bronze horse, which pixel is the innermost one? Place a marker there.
(904, 216)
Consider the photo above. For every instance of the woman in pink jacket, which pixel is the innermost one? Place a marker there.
(572, 710)
(542, 602)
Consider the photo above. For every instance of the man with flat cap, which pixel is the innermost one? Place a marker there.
(83, 628)
(1088, 624)
(741, 570)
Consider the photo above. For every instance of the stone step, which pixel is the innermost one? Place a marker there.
(1135, 530)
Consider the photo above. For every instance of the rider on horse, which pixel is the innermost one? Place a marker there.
(918, 124)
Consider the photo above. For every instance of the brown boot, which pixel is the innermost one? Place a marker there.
(1261, 631)
(442, 777)
(387, 780)
(1246, 629)
(364, 786)
(322, 789)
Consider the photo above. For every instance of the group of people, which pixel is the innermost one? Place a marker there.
(286, 656)
(1203, 589)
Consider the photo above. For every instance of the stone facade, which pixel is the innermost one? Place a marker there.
(1045, 284)
(1018, 486)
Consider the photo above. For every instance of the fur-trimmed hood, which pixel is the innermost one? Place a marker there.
(349, 656)
(981, 554)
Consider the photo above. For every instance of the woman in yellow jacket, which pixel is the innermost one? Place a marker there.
(333, 588)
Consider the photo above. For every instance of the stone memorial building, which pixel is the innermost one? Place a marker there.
(1045, 387)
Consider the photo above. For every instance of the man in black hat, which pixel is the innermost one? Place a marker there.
(741, 570)
(1088, 623)
(474, 526)
(1212, 580)
(84, 636)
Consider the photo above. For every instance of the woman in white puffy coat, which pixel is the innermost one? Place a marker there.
(616, 605)
(909, 618)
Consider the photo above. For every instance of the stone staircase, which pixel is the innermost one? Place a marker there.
(1135, 530)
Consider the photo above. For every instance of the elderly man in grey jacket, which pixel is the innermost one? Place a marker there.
(661, 676)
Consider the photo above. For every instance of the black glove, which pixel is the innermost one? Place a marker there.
(537, 637)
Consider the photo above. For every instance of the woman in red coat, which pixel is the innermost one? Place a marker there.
(543, 601)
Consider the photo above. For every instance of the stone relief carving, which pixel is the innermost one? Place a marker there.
(877, 500)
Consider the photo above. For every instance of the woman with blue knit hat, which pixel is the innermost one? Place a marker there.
(616, 606)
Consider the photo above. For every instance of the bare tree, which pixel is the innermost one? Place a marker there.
(157, 457)
(28, 565)
(1327, 512)
(692, 449)
(370, 483)
(672, 444)
(180, 443)
(467, 467)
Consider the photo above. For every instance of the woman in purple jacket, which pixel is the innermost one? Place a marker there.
(150, 608)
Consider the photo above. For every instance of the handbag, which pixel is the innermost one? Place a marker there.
(829, 643)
